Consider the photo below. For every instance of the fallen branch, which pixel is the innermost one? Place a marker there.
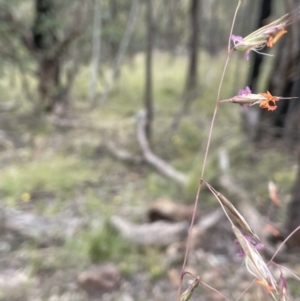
(159, 233)
(204, 224)
(147, 155)
(122, 154)
(160, 165)
(168, 210)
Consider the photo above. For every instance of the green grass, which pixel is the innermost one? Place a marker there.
(105, 244)
(58, 176)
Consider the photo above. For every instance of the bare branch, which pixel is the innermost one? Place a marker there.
(72, 32)
(123, 155)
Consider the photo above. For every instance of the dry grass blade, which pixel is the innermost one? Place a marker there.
(233, 211)
(255, 264)
(186, 295)
(236, 215)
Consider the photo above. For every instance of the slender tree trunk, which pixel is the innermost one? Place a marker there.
(211, 11)
(265, 12)
(96, 51)
(122, 49)
(284, 81)
(191, 91)
(191, 81)
(171, 28)
(148, 70)
(250, 116)
(113, 6)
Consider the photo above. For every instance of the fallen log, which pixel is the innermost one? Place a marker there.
(160, 234)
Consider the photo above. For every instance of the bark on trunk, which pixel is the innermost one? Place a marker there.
(250, 116)
(284, 81)
(191, 81)
(265, 12)
(45, 39)
(148, 84)
(43, 44)
(113, 6)
(95, 52)
(49, 51)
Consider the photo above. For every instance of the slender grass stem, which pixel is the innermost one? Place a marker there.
(282, 244)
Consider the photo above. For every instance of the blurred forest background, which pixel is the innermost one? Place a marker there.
(105, 107)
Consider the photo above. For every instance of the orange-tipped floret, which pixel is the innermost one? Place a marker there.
(269, 102)
(272, 40)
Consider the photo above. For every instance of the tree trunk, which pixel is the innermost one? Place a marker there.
(95, 52)
(148, 82)
(42, 42)
(191, 91)
(114, 45)
(250, 115)
(284, 81)
(191, 81)
(132, 18)
(171, 29)
(49, 51)
(266, 8)
(283, 124)
(44, 38)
